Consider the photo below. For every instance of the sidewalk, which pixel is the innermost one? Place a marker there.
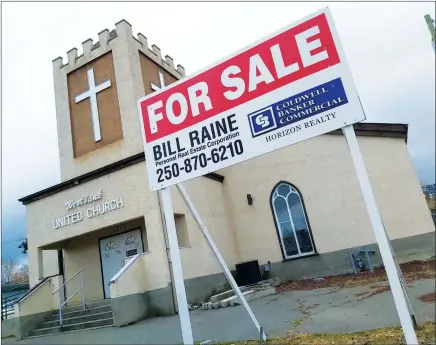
(321, 310)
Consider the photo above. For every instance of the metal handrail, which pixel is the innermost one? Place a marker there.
(67, 281)
(65, 302)
(34, 288)
(124, 268)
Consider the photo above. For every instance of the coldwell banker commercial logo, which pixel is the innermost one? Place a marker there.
(262, 121)
(299, 107)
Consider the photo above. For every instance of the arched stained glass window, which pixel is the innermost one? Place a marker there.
(291, 220)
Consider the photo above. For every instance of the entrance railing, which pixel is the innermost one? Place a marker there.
(58, 290)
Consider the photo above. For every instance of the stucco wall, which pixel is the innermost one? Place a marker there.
(396, 187)
(141, 276)
(131, 281)
(209, 199)
(129, 183)
(50, 263)
(40, 300)
(323, 171)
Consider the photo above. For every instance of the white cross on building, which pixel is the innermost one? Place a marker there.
(161, 82)
(91, 93)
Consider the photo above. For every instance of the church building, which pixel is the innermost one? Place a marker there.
(98, 237)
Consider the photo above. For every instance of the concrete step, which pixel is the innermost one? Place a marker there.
(223, 303)
(64, 332)
(274, 282)
(229, 301)
(79, 312)
(249, 295)
(71, 327)
(226, 294)
(253, 295)
(104, 302)
(76, 319)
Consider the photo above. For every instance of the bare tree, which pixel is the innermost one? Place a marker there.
(21, 274)
(9, 269)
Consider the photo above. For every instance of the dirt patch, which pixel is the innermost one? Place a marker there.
(377, 290)
(429, 298)
(414, 270)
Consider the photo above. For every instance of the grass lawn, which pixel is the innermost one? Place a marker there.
(382, 336)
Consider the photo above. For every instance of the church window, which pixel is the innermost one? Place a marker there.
(291, 221)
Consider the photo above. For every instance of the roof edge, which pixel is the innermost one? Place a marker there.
(92, 175)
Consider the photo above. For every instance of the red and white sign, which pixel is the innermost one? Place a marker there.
(289, 87)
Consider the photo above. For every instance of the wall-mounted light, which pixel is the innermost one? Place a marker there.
(249, 199)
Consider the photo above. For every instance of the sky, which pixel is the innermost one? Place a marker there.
(387, 45)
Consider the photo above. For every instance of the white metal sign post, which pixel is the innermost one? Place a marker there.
(380, 235)
(291, 86)
(220, 259)
(182, 303)
(402, 281)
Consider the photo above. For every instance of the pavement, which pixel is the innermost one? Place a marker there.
(322, 310)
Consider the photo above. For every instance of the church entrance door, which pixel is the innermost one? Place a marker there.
(113, 252)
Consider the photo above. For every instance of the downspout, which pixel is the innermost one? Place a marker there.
(167, 249)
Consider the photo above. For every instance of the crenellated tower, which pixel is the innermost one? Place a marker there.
(96, 97)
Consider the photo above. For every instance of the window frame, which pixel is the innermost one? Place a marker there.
(277, 226)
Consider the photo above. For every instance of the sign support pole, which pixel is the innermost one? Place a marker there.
(185, 321)
(380, 235)
(402, 281)
(221, 261)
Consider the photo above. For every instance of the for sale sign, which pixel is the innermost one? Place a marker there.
(289, 87)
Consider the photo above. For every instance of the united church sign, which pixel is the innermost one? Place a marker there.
(91, 212)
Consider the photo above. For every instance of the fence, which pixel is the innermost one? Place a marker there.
(8, 302)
